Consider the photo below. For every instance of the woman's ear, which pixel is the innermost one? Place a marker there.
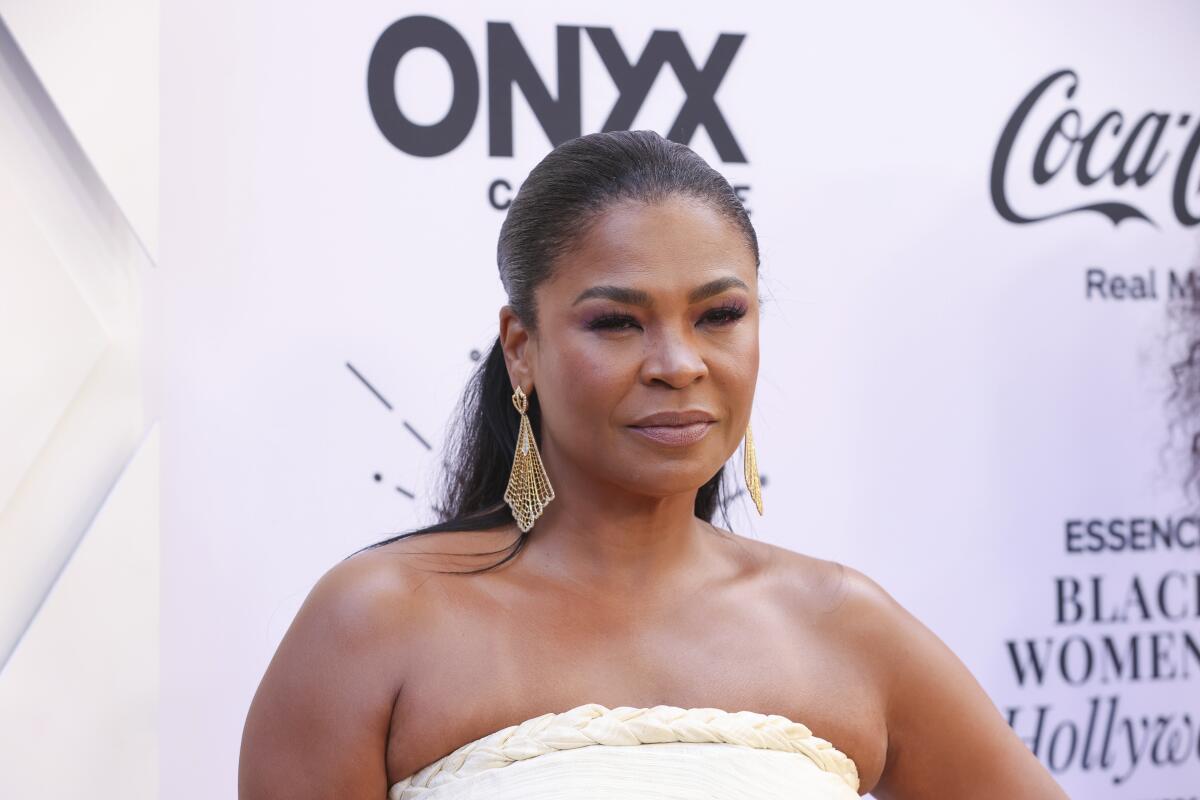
(515, 341)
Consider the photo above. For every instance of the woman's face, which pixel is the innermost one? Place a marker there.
(653, 314)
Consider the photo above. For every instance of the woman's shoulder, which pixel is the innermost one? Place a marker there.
(405, 576)
(820, 585)
(325, 703)
(381, 600)
(420, 548)
(852, 606)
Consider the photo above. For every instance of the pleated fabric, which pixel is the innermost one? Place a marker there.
(592, 752)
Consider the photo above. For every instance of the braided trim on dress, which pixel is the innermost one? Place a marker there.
(592, 723)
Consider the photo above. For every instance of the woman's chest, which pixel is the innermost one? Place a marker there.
(751, 655)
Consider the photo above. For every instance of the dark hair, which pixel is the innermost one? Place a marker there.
(563, 196)
(1184, 397)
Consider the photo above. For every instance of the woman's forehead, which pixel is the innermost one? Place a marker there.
(677, 241)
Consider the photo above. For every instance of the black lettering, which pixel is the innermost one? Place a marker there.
(1064, 651)
(1179, 199)
(633, 81)
(1072, 536)
(1182, 287)
(1037, 662)
(1067, 594)
(399, 38)
(1144, 172)
(1088, 142)
(496, 203)
(509, 64)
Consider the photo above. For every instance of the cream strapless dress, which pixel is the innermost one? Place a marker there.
(660, 753)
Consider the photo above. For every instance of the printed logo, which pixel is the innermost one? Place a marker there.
(1145, 153)
(509, 66)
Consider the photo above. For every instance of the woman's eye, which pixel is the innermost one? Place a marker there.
(724, 315)
(612, 322)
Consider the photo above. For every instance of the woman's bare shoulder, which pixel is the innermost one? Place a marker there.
(810, 582)
(863, 612)
(944, 734)
(404, 579)
(964, 752)
(419, 549)
(853, 609)
(322, 712)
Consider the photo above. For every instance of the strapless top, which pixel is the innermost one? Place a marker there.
(591, 752)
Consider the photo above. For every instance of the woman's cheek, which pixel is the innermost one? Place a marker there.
(736, 364)
(745, 357)
(588, 382)
(590, 374)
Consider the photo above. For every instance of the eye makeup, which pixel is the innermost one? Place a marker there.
(724, 314)
(727, 312)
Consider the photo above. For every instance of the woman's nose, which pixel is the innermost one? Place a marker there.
(674, 359)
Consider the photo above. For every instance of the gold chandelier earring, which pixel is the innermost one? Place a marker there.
(529, 489)
(750, 465)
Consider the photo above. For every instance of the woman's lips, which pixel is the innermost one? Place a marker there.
(675, 434)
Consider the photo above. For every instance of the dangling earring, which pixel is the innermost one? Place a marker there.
(750, 462)
(529, 488)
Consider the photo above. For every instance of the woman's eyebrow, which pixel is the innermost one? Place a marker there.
(636, 297)
(715, 287)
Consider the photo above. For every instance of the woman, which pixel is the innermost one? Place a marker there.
(426, 667)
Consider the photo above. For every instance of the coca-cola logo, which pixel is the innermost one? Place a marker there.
(558, 110)
(1099, 153)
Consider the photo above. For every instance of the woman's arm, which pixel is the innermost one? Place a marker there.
(318, 724)
(946, 738)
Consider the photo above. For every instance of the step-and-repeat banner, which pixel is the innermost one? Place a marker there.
(975, 220)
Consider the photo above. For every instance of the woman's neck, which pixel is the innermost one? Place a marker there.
(599, 535)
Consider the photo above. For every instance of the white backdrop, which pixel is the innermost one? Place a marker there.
(941, 401)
